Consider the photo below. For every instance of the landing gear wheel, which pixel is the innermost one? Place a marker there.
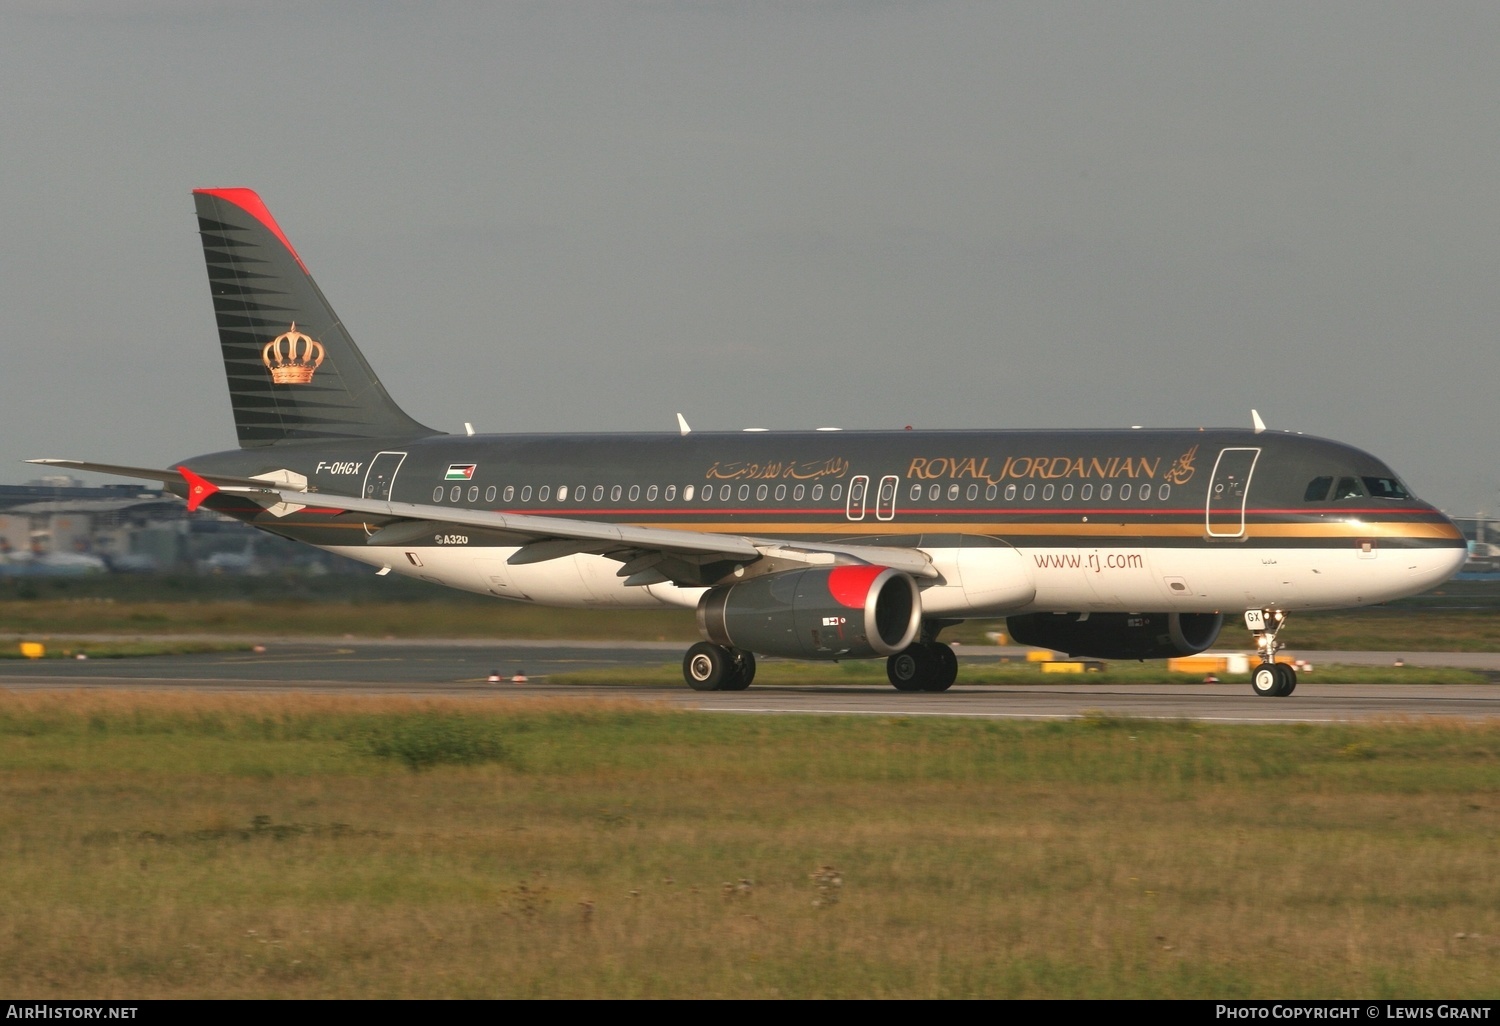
(743, 666)
(1266, 680)
(1270, 679)
(944, 667)
(909, 669)
(706, 666)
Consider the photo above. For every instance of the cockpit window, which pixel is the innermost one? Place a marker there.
(1348, 488)
(1317, 489)
(1386, 488)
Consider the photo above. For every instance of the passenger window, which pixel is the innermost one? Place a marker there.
(935, 493)
(780, 493)
(510, 493)
(651, 493)
(1348, 488)
(916, 492)
(761, 492)
(615, 493)
(455, 493)
(708, 492)
(1105, 491)
(1145, 493)
(489, 494)
(817, 492)
(544, 492)
(973, 492)
(1067, 493)
(687, 493)
(744, 492)
(1164, 492)
(635, 493)
(1086, 492)
(1047, 490)
(797, 493)
(952, 492)
(989, 493)
(834, 492)
(437, 494)
(671, 495)
(526, 493)
(598, 493)
(1124, 492)
(1317, 489)
(1029, 493)
(1010, 493)
(473, 493)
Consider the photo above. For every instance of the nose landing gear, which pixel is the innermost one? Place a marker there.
(1270, 679)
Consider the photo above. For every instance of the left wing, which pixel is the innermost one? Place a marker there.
(649, 555)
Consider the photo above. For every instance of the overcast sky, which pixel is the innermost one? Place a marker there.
(588, 216)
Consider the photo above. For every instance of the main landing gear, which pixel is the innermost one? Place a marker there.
(1270, 679)
(923, 666)
(710, 667)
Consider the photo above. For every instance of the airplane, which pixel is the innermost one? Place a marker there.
(819, 545)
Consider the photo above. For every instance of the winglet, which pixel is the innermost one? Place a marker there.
(198, 488)
(682, 424)
(1259, 424)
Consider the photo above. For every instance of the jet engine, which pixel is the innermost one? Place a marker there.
(842, 612)
(1119, 635)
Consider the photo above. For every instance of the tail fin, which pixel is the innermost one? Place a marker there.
(294, 372)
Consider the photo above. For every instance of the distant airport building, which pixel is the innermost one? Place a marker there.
(56, 525)
(1484, 544)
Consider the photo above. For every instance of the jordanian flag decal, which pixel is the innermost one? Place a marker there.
(460, 472)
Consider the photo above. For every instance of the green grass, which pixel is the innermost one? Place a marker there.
(160, 846)
(1459, 616)
(1374, 630)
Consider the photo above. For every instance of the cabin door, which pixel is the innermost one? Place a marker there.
(381, 478)
(885, 499)
(859, 489)
(1229, 491)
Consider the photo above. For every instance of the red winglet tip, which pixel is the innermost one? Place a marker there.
(198, 488)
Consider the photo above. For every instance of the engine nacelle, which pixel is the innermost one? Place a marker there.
(1119, 635)
(842, 612)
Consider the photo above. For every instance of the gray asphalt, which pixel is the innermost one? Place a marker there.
(463, 668)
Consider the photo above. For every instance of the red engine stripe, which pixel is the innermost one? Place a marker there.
(849, 585)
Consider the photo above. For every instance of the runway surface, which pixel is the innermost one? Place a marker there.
(462, 668)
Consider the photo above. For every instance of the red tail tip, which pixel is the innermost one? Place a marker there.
(198, 488)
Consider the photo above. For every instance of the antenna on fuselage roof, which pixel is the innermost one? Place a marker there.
(1259, 424)
(682, 424)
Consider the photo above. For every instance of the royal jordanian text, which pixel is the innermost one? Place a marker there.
(1051, 468)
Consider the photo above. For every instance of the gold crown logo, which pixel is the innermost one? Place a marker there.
(291, 357)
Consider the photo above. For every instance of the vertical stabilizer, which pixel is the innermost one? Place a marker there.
(294, 372)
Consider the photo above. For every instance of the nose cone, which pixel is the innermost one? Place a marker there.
(1450, 550)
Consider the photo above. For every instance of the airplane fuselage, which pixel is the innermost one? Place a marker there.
(1013, 521)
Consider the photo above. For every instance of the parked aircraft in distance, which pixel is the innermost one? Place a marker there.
(1125, 544)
